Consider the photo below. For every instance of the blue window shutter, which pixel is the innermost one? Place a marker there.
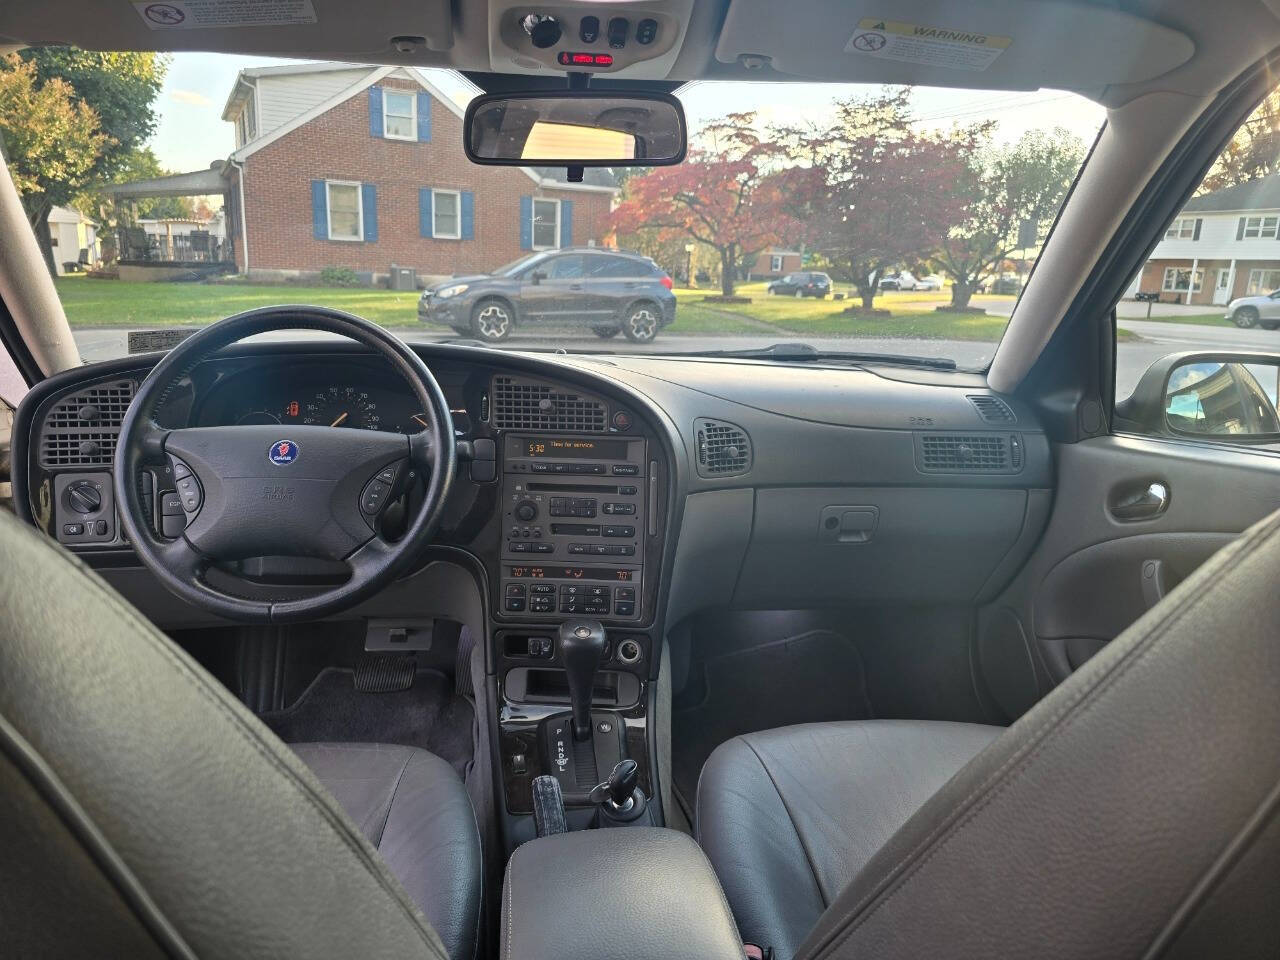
(369, 201)
(375, 111)
(424, 117)
(526, 223)
(468, 215)
(566, 223)
(319, 211)
(426, 225)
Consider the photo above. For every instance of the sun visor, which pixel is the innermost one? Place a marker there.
(994, 44)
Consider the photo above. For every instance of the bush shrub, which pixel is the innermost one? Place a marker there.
(339, 277)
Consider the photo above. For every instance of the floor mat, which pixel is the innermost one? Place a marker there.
(809, 678)
(429, 714)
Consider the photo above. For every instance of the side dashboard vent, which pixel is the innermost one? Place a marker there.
(81, 428)
(724, 449)
(992, 409)
(520, 404)
(969, 453)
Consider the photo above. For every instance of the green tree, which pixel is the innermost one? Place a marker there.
(1002, 186)
(51, 139)
(1254, 151)
(117, 89)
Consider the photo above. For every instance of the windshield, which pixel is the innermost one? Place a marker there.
(847, 219)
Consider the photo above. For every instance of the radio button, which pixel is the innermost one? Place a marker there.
(617, 509)
(577, 548)
(519, 546)
(544, 548)
(626, 470)
(599, 549)
(625, 531)
(539, 468)
(628, 491)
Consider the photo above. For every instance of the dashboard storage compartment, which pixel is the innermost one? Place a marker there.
(876, 544)
(638, 891)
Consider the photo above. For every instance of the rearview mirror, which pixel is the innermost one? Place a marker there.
(1224, 397)
(575, 128)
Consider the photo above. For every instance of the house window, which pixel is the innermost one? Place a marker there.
(546, 224)
(1176, 279)
(446, 214)
(775, 263)
(399, 115)
(1184, 228)
(1260, 227)
(1262, 281)
(346, 212)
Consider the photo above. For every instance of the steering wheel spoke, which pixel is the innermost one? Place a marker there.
(183, 560)
(422, 450)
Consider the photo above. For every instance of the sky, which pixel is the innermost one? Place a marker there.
(191, 132)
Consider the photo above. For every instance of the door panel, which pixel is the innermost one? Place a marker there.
(1092, 575)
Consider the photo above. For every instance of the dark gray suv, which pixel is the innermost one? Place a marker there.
(607, 291)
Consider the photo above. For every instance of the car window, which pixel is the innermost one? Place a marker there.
(346, 185)
(1209, 286)
(606, 266)
(564, 268)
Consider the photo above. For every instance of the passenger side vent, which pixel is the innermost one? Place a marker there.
(724, 449)
(81, 429)
(520, 404)
(992, 409)
(969, 453)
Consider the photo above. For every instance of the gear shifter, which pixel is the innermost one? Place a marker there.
(581, 645)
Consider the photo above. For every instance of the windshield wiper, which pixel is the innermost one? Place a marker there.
(804, 353)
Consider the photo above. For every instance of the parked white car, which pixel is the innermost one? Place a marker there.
(1262, 310)
(903, 280)
(931, 282)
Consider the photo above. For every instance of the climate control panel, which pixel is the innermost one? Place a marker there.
(575, 516)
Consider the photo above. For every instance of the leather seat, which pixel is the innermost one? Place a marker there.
(788, 817)
(413, 808)
(145, 812)
(1133, 812)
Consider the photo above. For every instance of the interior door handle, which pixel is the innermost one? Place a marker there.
(1144, 503)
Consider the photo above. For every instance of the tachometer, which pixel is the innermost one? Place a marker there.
(342, 407)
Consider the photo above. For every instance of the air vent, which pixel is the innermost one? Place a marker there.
(992, 409)
(724, 449)
(531, 405)
(81, 428)
(969, 453)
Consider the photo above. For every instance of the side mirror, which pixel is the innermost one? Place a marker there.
(575, 128)
(537, 277)
(1229, 398)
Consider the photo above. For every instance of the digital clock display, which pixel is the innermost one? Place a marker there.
(539, 447)
(542, 571)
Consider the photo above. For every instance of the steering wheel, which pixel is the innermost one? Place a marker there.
(301, 491)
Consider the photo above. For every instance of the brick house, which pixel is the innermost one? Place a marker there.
(1223, 245)
(771, 264)
(340, 165)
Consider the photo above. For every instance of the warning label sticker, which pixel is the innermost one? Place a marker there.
(934, 46)
(204, 14)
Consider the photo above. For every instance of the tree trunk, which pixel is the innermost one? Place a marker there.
(728, 267)
(39, 220)
(961, 292)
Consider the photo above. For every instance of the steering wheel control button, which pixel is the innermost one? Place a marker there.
(170, 504)
(374, 497)
(180, 470)
(172, 526)
(388, 474)
(283, 453)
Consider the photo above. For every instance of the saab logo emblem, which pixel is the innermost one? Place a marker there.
(283, 452)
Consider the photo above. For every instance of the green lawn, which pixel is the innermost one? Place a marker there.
(113, 303)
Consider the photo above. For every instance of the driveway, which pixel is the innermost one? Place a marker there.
(1131, 360)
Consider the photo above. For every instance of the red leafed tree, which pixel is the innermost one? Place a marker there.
(727, 195)
(875, 193)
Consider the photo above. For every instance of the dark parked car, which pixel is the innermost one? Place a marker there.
(608, 291)
(801, 285)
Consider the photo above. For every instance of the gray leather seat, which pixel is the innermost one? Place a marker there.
(788, 817)
(144, 812)
(1134, 812)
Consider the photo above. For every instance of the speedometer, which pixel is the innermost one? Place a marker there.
(337, 406)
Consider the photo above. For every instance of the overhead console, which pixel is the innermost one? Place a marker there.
(631, 40)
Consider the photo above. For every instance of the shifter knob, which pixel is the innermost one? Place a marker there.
(581, 645)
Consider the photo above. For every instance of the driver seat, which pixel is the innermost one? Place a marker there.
(145, 812)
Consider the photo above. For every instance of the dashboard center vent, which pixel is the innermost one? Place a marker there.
(992, 409)
(520, 404)
(968, 453)
(81, 428)
(724, 449)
